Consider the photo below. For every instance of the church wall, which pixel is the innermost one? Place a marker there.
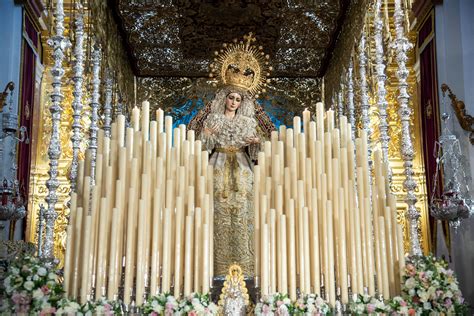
(455, 59)
(10, 36)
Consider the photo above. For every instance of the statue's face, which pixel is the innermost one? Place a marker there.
(232, 101)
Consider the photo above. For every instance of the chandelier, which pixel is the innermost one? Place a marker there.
(453, 204)
(12, 195)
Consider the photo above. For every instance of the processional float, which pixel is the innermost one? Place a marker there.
(324, 222)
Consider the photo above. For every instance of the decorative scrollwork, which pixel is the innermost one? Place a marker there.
(465, 120)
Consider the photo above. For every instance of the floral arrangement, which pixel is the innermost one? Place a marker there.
(368, 305)
(161, 304)
(31, 287)
(197, 304)
(399, 306)
(429, 286)
(102, 307)
(193, 304)
(312, 304)
(276, 304)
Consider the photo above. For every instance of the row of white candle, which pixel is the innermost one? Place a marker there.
(150, 213)
(314, 216)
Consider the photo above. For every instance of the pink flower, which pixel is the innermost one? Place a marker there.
(266, 309)
(48, 311)
(154, 314)
(107, 307)
(21, 299)
(45, 289)
(411, 311)
(22, 309)
(279, 303)
(370, 308)
(448, 303)
(192, 313)
(411, 269)
(16, 297)
(403, 303)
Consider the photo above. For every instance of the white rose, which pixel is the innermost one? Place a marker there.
(38, 293)
(410, 283)
(379, 305)
(426, 305)
(42, 271)
(157, 307)
(28, 285)
(424, 296)
(15, 270)
(35, 277)
(7, 282)
(199, 308)
(52, 276)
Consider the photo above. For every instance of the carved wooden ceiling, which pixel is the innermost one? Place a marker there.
(178, 37)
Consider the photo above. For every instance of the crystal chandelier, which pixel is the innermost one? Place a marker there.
(12, 197)
(453, 204)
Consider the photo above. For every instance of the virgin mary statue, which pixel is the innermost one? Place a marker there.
(232, 126)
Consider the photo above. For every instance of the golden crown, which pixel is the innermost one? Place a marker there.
(243, 65)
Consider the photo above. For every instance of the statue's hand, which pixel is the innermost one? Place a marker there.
(252, 140)
(211, 130)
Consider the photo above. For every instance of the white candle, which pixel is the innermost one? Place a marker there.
(136, 119)
(188, 255)
(159, 120)
(146, 120)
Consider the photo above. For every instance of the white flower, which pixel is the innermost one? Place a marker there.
(410, 283)
(448, 294)
(42, 271)
(37, 294)
(360, 308)
(157, 307)
(198, 308)
(424, 296)
(28, 285)
(69, 308)
(52, 276)
(454, 287)
(427, 306)
(35, 277)
(380, 305)
(15, 270)
(7, 282)
(286, 301)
